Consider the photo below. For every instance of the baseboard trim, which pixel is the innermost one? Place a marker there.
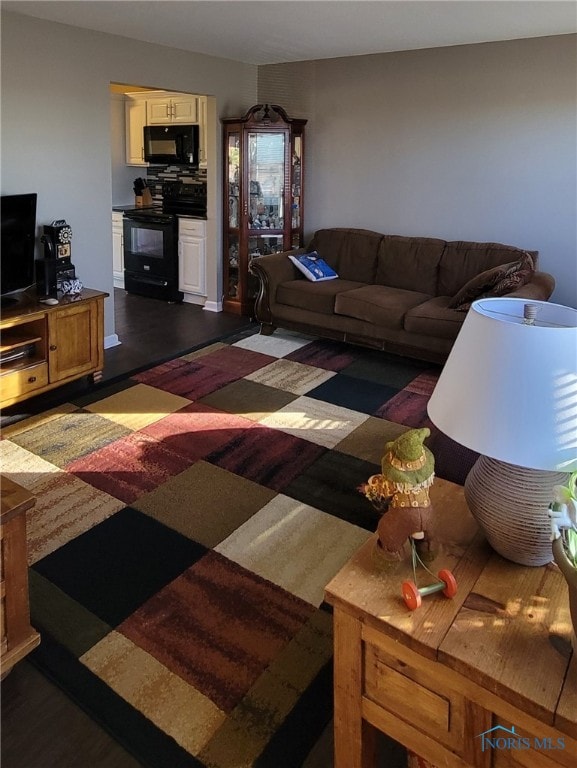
(111, 341)
(213, 306)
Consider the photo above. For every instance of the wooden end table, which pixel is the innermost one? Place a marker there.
(17, 637)
(484, 679)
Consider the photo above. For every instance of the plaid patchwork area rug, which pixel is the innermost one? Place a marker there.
(186, 523)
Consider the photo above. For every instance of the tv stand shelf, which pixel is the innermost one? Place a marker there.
(18, 352)
(46, 346)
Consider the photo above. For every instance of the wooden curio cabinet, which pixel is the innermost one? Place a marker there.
(263, 196)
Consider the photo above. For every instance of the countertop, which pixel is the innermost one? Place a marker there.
(124, 208)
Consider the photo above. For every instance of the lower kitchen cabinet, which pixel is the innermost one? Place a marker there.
(192, 256)
(118, 249)
(45, 346)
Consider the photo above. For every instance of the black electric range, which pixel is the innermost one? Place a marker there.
(151, 240)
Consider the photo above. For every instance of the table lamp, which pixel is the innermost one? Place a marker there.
(509, 392)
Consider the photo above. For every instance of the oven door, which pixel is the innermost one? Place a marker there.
(150, 247)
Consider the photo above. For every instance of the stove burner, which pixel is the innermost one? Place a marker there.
(154, 215)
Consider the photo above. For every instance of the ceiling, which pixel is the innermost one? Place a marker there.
(276, 31)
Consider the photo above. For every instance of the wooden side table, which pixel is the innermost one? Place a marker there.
(17, 637)
(484, 679)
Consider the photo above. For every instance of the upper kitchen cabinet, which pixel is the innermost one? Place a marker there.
(173, 108)
(202, 122)
(169, 108)
(263, 196)
(135, 112)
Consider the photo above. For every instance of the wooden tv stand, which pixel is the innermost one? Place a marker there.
(44, 346)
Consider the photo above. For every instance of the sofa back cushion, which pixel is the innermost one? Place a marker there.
(461, 261)
(352, 253)
(410, 263)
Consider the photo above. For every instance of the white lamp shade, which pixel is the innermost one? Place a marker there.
(509, 389)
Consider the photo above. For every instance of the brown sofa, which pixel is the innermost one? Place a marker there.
(393, 293)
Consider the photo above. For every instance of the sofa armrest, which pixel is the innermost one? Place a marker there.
(540, 288)
(272, 270)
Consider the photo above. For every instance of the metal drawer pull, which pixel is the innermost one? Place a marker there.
(53, 347)
(32, 379)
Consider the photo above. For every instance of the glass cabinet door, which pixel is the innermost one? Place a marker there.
(233, 157)
(266, 179)
(232, 253)
(296, 192)
(232, 287)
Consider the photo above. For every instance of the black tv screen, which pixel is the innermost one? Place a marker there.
(18, 214)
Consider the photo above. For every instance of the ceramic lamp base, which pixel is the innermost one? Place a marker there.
(510, 504)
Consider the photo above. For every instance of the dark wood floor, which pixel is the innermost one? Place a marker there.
(152, 330)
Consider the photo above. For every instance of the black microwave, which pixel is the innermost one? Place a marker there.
(171, 144)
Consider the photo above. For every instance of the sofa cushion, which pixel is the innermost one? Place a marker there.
(313, 267)
(378, 304)
(461, 261)
(496, 281)
(434, 318)
(316, 297)
(411, 263)
(352, 253)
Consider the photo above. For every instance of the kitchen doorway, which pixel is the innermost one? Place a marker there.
(123, 176)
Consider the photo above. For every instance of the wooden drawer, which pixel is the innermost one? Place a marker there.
(412, 688)
(24, 382)
(194, 227)
(399, 693)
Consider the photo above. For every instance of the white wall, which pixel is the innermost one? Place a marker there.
(473, 142)
(56, 126)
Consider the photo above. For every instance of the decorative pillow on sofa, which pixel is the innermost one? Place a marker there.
(496, 281)
(313, 267)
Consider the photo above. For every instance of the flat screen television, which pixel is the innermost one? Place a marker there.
(18, 215)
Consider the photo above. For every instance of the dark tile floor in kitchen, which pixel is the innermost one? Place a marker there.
(151, 331)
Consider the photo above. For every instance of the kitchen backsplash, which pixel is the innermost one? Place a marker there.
(156, 175)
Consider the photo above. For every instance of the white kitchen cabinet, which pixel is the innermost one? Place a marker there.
(192, 256)
(172, 108)
(202, 118)
(118, 249)
(161, 110)
(136, 112)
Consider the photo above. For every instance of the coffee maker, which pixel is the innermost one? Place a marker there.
(56, 264)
